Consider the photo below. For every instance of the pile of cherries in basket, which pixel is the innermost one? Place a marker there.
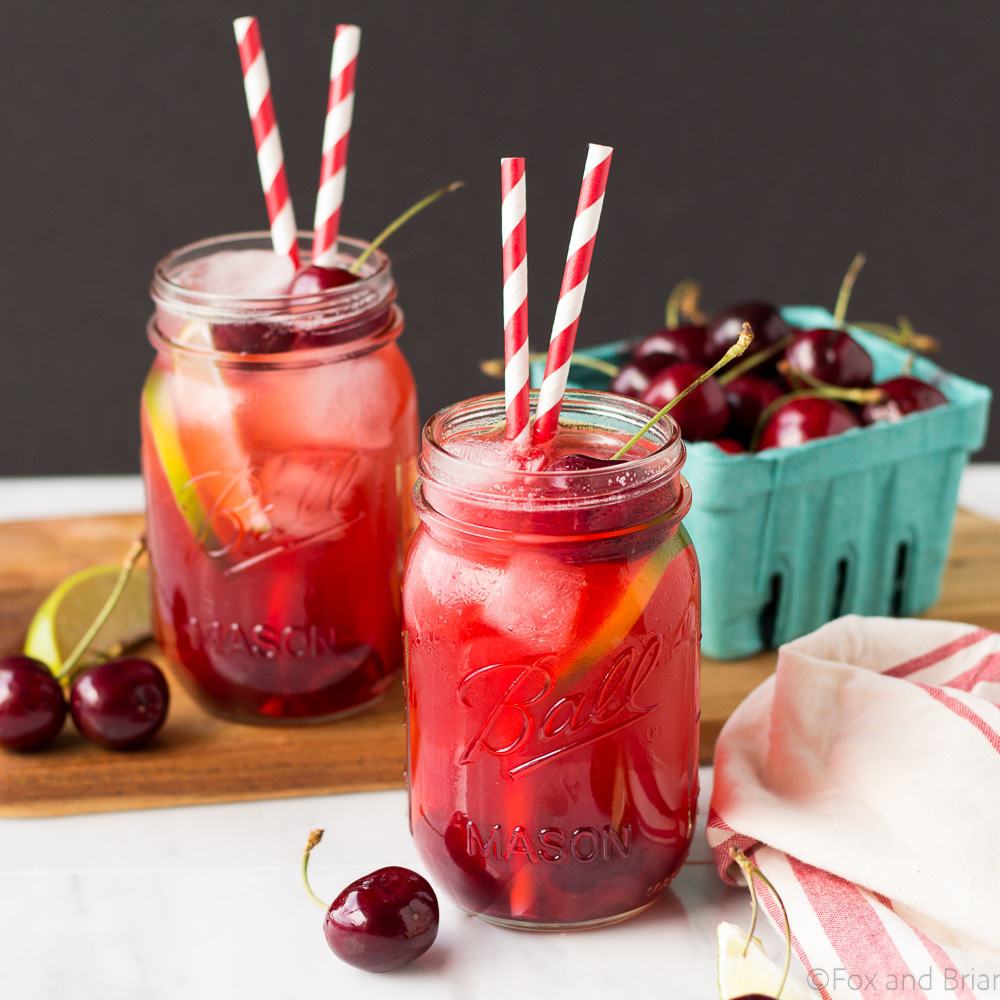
(792, 386)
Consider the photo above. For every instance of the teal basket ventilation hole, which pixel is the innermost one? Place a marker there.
(859, 523)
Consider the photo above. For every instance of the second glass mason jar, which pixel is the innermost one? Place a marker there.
(279, 444)
(552, 628)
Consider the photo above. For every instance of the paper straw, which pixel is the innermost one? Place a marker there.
(571, 293)
(336, 134)
(514, 240)
(267, 139)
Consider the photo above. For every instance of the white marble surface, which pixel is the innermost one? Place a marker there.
(191, 903)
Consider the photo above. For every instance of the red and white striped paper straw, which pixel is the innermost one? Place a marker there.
(514, 240)
(574, 286)
(336, 134)
(267, 139)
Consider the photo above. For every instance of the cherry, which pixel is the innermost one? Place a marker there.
(673, 344)
(32, 706)
(730, 445)
(380, 922)
(383, 921)
(253, 338)
(703, 414)
(830, 356)
(805, 419)
(724, 328)
(635, 376)
(314, 279)
(120, 704)
(903, 394)
(748, 397)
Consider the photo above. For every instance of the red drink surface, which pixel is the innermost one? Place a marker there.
(552, 688)
(277, 517)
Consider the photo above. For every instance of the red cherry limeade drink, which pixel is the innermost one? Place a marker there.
(279, 441)
(552, 626)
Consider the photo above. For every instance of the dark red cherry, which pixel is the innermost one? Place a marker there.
(904, 394)
(674, 344)
(702, 415)
(120, 704)
(724, 329)
(32, 706)
(314, 279)
(253, 338)
(383, 921)
(749, 396)
(831, 356)
(582, 463)
(805, 419)
(634, 378)
(729, 445)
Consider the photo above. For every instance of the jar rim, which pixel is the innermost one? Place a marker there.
(353, 319)
(452, 479)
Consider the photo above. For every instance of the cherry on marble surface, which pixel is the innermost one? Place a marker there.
(383, 921)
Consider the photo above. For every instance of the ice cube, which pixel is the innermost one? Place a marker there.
(536, 600)
(493, 452)
(246, 273)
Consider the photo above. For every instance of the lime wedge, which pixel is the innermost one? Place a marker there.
(71, 608)
(741, 975)
(205, 465)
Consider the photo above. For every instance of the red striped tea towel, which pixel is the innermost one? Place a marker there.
(864, 779)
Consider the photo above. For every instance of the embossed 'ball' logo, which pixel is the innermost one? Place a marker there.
(526, 719)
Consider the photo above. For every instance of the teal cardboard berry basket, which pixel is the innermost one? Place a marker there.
(789, 539)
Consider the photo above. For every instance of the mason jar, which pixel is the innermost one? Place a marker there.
(279, 436)
(551, 614)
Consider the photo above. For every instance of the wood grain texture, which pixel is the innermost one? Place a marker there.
(199, 758)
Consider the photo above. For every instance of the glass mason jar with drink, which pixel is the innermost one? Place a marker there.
(279, 426)
(551, 605)
(279, 438)
(552, 621)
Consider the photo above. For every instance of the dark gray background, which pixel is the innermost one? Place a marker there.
(758, 145)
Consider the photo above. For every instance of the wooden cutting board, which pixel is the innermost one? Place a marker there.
(198, 758)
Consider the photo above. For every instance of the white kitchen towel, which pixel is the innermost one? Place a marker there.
(864, 779)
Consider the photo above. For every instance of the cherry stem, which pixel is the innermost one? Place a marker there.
(820, 390)
(846, 287)
(315, 836)
(65, 672)
(748, 364)
(683, 303)
(752, 871)
(494, 367)
(904, 335)
(401, 221)
(742, 343)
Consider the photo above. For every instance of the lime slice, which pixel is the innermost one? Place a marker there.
(71, 608)
(213, 450)
(741, 975)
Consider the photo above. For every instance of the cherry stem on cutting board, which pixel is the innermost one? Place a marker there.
(315, 836)
(401, 220)
(65, 672)
(742, 343)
